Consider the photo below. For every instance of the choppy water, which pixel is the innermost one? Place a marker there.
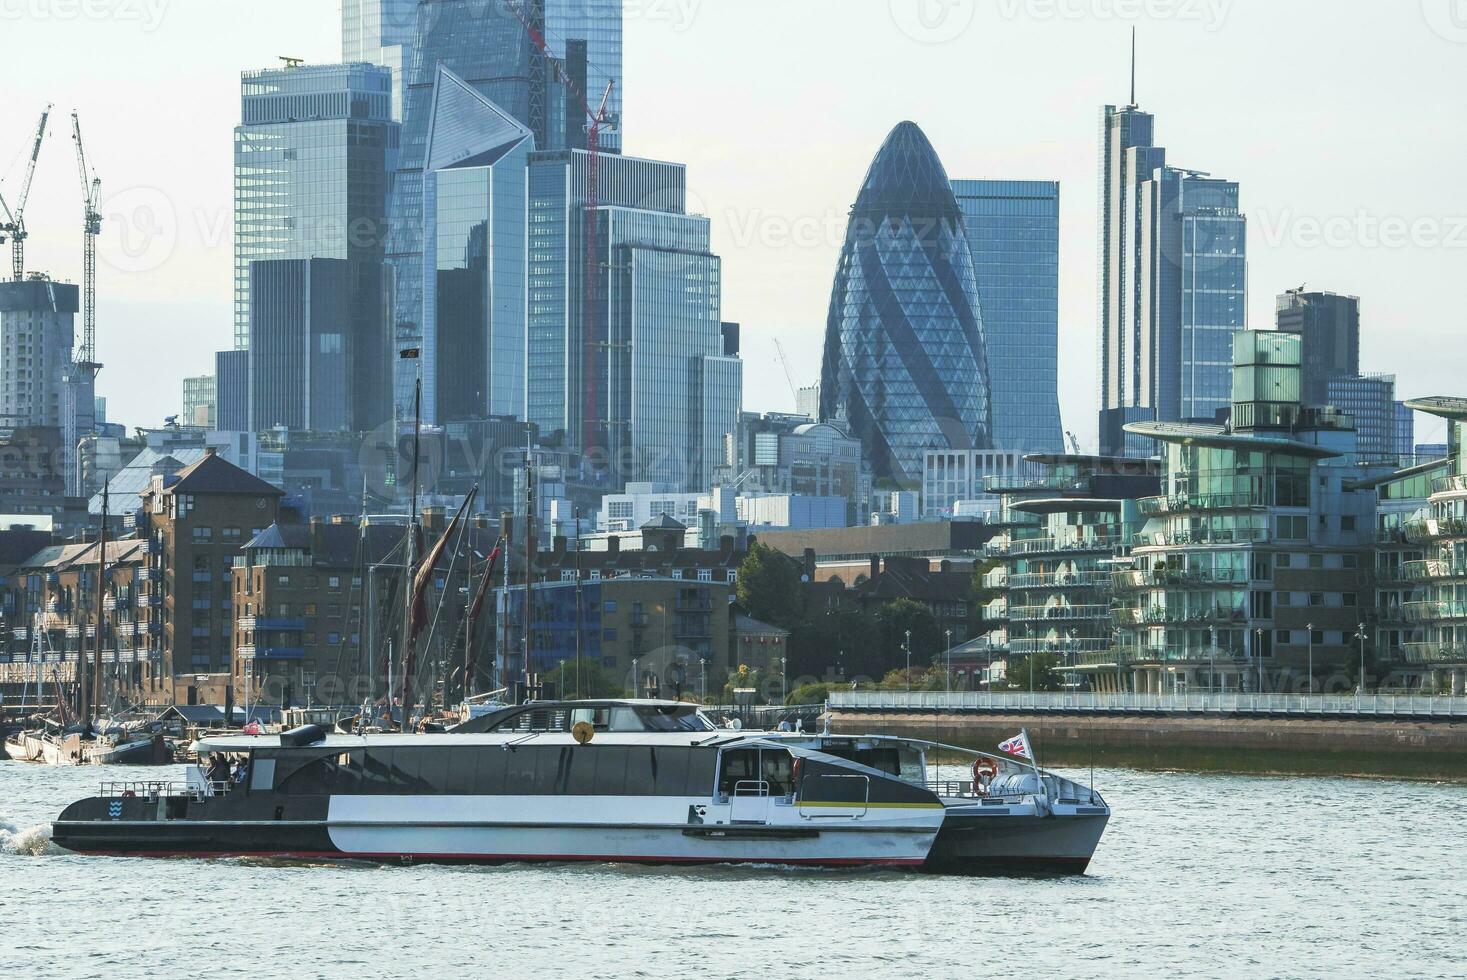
(1216, 876)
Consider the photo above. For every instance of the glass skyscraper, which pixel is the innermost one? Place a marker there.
(381, 32)
(473, 355)
(1013, 232)
(599, 24)
(300, 375)
(1330, 327)
(310, 179)
(905, 362)
(1173, 280)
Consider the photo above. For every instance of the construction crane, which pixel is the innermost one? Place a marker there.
(788, 376)
(86, 358)
(1074, 442)
(13, 226)
(597, 119)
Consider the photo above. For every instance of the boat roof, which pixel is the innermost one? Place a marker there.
(235, 743)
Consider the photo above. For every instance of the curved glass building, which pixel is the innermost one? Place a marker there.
(905, 360)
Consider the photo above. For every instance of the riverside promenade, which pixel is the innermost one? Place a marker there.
(1376, 735)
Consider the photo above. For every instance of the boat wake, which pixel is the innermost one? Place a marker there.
(28, 841)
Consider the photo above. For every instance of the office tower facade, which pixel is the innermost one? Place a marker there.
(1013, 232)
(200, 397)
(486, 44)
(1329, 325)
(1379, 419)
(37, 336)
(474, 258)
(232, 390)
(381, 32)
(311, 176)
(597, 24)
(1173, 284)
(300, 356)
(560, 350)
(905, 364)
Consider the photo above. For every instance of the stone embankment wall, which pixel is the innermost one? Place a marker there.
(1364, 747)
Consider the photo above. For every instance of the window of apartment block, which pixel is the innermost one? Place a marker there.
(310, 609)
(1316, 598)
(203, 534)
(705, 575)
(334, 582)
(1350, 562)
(1316, 561)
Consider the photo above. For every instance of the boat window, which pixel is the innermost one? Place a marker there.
(332, 774)
(611, 770)
(493, 762)
(262, 775)
(462, 768)
(641, 772)
(672, 718)
(598, 718)
(519, 772)
(739, 765)
(887, 760)
(777, 766)
(549, 768)
(670, 771)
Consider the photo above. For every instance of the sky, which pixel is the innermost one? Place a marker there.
(1345, 122)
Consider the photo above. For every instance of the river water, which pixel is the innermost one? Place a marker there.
(1215, 876)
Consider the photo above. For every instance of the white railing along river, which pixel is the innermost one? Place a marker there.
(1286, 705)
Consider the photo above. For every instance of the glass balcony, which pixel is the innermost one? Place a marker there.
(1049, 613)
(1432, 569)
(1065, 580)
(1190, 502)
(1435, 653)
(1449, 484)
(1433, 611)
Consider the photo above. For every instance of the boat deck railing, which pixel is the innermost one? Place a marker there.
(154, 789)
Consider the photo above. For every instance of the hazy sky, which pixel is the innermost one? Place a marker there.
(1343, 120)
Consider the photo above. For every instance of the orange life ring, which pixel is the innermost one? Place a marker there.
(984, 772)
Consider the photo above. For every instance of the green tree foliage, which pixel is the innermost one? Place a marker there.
(769, 587)
(1047, 676)
(809, 694)
(595, 682)
(843, 644)
(895, 619)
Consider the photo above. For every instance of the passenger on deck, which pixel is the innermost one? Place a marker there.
(218, 773)
(241, 772)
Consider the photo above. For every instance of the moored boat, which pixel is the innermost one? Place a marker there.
(619, 781)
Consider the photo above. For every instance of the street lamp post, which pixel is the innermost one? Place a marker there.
(1116, 640)
(948, 667)
(1258, 658)
(703, 680)
(1361, 636)
(1310, 628)
(909, 661)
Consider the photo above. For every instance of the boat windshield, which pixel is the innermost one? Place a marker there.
(644, 718)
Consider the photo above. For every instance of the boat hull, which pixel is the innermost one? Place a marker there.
(27, 747)
(975, 841)
(140, 826)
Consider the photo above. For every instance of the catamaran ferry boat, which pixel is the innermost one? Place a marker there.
(650, 782)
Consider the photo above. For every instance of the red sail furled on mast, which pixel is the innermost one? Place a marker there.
(471, 661)
(421, 582)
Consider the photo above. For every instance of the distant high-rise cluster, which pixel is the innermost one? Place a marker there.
(1173, 284)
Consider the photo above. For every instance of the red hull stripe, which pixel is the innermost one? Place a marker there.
(509, 858)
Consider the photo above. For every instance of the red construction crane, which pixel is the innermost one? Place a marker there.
(14, 223)
(592, 344)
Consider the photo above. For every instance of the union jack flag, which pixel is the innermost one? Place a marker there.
(1018, 745)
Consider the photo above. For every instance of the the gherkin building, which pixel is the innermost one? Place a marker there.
(905, 363)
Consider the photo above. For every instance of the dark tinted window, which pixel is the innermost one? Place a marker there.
(671, 767)
(580, 773)
(519, 777)
(493, 762)
(548, 765)
(611, 770)
(641, 768)
(702, 766)
(318, 777)
(462, 771)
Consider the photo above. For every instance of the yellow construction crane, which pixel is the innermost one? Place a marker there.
(13, 226)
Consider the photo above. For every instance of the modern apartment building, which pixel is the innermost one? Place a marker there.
(1252, 569)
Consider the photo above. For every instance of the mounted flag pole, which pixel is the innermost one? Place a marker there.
(1020, 747)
